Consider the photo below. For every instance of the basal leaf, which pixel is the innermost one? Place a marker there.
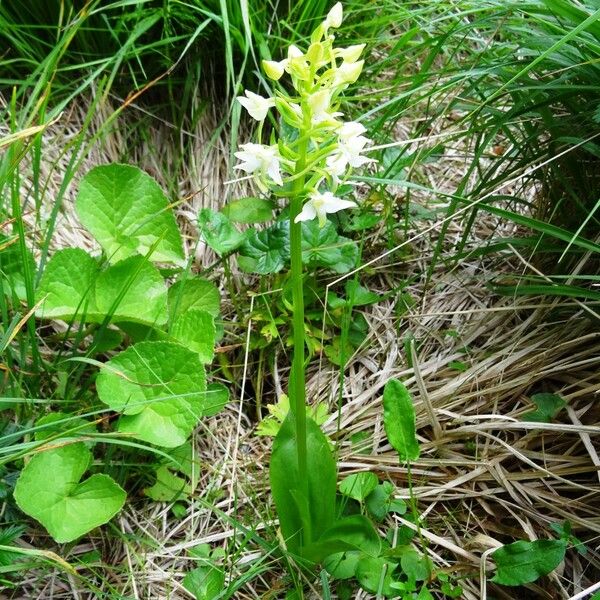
(379, 501)
(68, 285)
(128, 213)
(399, 420)
(265, 251)
(312, 514)
(523, 562)
(48, 490)
(342, 565)
(195, 329)
(132, 290)
(193, 293)
(219, 232)
(160, 389)
(59, 424)
(249, 210)
(358, 485)
(346, 534)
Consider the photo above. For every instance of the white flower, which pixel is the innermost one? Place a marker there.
(350, 130)
(256, 105)
(319, 204)
(260, 159)
(334, 16)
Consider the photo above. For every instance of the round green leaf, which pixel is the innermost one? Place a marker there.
(128, 213)
(160, 389)
(48, 490)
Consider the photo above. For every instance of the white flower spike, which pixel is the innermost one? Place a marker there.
(256, 105)
(260, 159)
(320, 204)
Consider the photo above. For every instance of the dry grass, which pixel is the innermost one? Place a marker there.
(485, 477)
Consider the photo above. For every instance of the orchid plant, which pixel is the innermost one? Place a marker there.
(313, 156)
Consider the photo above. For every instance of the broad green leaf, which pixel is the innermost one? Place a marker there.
(323, 247)
(265, 251)
(168, 486)
(193, 293)
(375, 575)
(302, 516)
(128, 213)
(346, 534)
(218, 232)
(132, 290)
(68, 285)
(160, 389)
(205, 583)
(195, 329)
(185, 463)
(399, 420)
(48, 490)
(358, 485)
(523, 562)
(249, 210)
(548, 406)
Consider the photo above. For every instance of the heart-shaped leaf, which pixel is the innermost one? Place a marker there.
(399, 420)
(128, 213)
(67, 285)
(48, 490)
(160, 389)
(548, 406)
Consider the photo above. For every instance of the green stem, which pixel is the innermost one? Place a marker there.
(297, 379)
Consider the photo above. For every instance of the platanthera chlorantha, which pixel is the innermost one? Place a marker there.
(157, 384)
(309, 161)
